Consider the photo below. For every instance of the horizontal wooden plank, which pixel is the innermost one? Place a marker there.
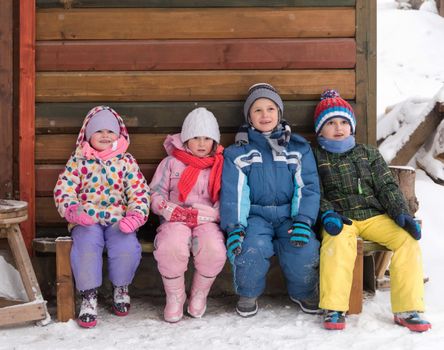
(46, 212)
(46, 176)
(188, 85)
(20, 313)
(128, 55)
(48, 245)
(162, 117)
(190, 3)
(197, 23)
(146, 148)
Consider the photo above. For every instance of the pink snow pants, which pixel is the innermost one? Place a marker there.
(175, 242)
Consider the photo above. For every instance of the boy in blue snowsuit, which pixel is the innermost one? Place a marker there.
(269, 201)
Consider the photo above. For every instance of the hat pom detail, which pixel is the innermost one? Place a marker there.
(329, 94)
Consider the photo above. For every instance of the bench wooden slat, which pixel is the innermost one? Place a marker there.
(191, 3)
(48, 245)
(194, 23)
(115, 55)
(187, 85)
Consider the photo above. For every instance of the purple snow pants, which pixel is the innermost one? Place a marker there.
(123, 250)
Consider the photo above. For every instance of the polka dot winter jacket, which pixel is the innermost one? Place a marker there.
(105, 189)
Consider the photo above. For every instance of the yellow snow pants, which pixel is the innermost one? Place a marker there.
(338, 254)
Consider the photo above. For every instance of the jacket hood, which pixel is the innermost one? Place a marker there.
(173, 142)
(123, 132)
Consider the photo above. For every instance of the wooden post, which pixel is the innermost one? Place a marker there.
(366, 70)
(355, 302)
(65, 286)
(26, 115)
(440, 4)
(6, 93)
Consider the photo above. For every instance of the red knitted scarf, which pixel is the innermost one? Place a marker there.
(192, 171)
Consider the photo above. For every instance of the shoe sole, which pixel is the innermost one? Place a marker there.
(174, 319)
(196, 315)
(413, 327)
(119, 313)
(331, 326)
(305, 310)
(86, 324)
(247, 313)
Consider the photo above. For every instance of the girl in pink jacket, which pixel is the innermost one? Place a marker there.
(185, 194)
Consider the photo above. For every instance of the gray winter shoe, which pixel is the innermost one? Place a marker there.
(308, 305)
(246, 306)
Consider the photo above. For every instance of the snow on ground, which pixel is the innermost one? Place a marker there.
(410, 66)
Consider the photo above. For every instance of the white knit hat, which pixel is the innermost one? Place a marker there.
(200, 122)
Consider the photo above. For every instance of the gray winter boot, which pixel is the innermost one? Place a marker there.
(247, 306)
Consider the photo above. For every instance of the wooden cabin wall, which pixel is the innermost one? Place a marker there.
(6, 99)
(153, 63)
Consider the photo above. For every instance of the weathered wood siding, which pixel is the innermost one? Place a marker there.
(6, 96)
(154, 61)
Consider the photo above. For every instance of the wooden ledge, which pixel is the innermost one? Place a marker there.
(48, 244)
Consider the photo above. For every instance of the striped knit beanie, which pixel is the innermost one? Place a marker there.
(332, 105)
(262, 90)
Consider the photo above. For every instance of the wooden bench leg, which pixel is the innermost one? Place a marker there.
(382, 262)
(66, 306)
(355, 303)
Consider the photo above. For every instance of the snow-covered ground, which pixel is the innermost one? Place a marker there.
(410, 57)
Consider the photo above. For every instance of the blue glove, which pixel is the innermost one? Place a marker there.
(334, 222)
(234, 243)
(300, 234)
(408, 223)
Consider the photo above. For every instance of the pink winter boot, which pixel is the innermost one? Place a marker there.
(199, 292)
(175, 298)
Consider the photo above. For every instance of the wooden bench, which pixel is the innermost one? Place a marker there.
(65, 282)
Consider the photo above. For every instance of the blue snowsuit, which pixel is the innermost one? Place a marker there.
(264, 192)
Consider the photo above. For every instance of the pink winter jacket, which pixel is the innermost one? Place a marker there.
(163, 186)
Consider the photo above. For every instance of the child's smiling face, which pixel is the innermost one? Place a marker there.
(264, 115)
(102, 139)
(336, 129)
(200, 146)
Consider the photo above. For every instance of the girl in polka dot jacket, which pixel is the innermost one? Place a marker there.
(105, 199)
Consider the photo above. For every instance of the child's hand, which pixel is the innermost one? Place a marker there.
(234, 243)
(409, 224)
(131, 222)
(300, 234)
(334, 222)
(205, 213)
(76, 215)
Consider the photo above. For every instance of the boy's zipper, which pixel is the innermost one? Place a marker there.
(359, 186)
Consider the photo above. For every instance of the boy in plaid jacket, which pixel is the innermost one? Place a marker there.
(360, 197)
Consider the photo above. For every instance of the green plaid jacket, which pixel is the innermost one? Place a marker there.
(358, 184)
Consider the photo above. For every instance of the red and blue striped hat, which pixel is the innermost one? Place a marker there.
(332, 105)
